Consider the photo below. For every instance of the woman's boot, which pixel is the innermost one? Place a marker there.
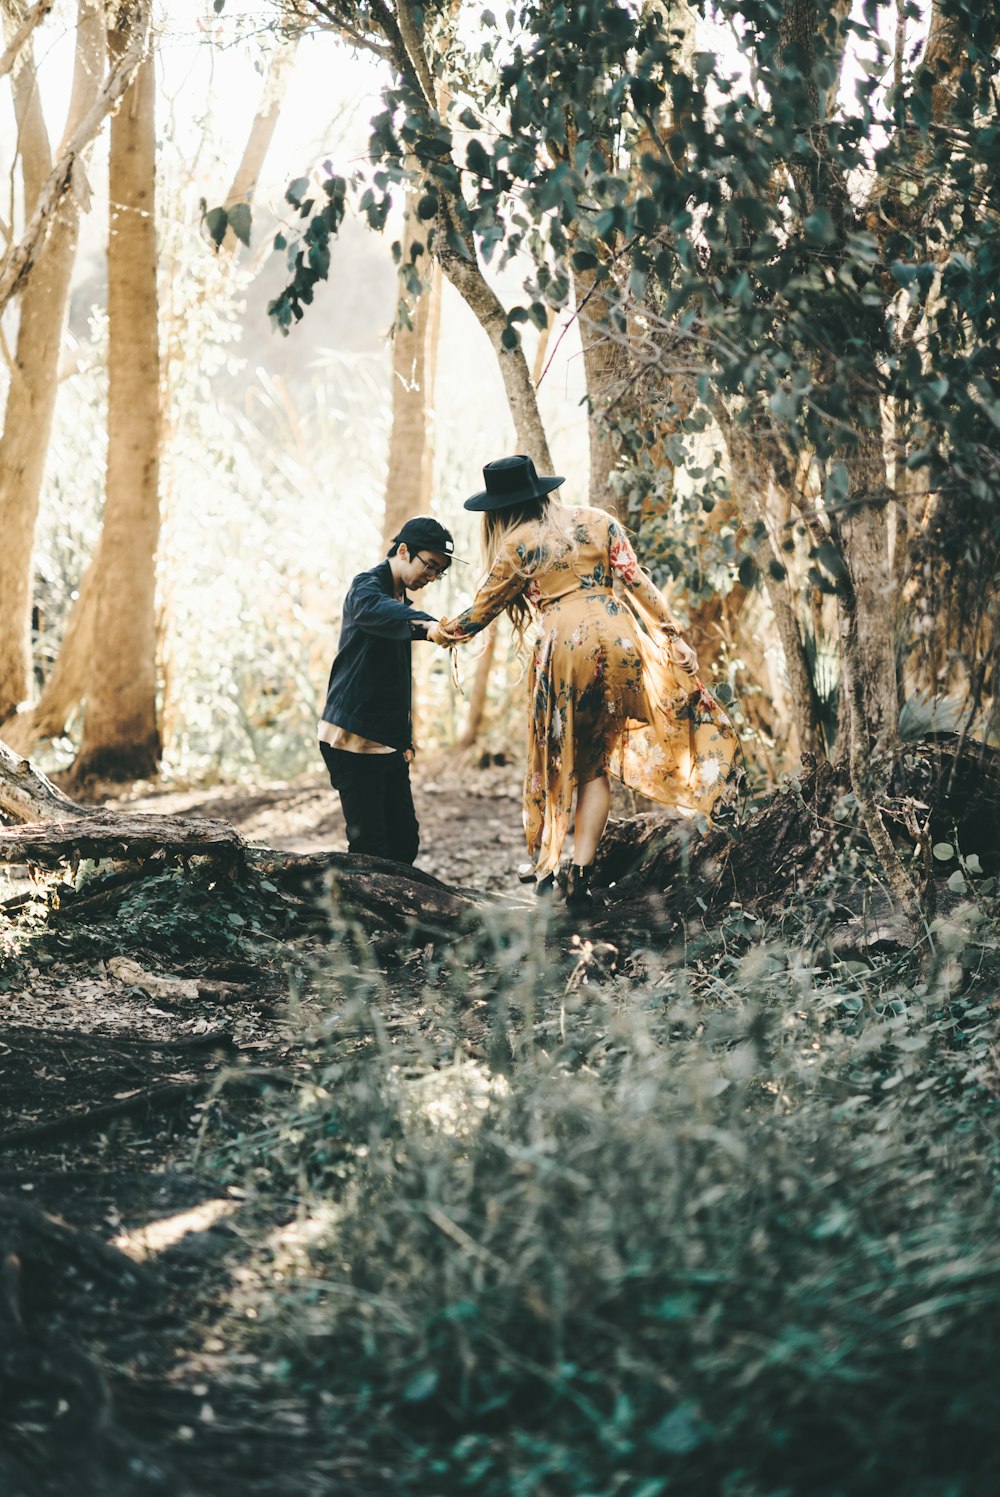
(579, 896)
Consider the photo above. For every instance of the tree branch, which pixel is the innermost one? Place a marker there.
(17, 263)
(17, 42)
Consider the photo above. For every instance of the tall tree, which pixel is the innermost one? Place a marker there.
(120, 734)
(414, 344)
(414, 41)
(31, 395)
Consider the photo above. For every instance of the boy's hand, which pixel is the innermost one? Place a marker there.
(409, 755)
(436, 634)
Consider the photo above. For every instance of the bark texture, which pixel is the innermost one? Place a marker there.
(120, 735)
(66, 174)
(411, 450)
(606, 365)
(34, 381)
(28, 795)
(258, 143)
(468, 279)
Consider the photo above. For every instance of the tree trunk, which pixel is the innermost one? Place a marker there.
(863, 532)
(67, 685)
(34, 378)
(66, 175)
(467, 278)
(480, 688)
(261, 134)
(411, 453)
(120, 737)
(747, 485)
(605, 365)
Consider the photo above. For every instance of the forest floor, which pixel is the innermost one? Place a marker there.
(288, 1203)
(121, 1083)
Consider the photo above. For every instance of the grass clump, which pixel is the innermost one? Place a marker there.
(732, 1230)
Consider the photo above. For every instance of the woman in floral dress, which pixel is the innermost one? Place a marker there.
(607, 695)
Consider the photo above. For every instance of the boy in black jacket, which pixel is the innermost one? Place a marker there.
(365, 733)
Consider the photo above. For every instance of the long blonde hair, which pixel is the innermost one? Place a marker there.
(554, 533)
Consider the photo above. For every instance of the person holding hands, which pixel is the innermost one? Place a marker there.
(613, 688)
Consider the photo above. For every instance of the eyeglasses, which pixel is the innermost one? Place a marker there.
(430, 568)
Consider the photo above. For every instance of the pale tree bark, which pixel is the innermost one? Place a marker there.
(34, 381)
(28, 795)
(468, 279)
(406, 38)
(120, 734)
(479, 695)
(66, 174)
(605, 366)
(63, 692)
(863, 534)
(402, 27)
(20, 35)
(411, 450)
(258, 143)
(749, 486)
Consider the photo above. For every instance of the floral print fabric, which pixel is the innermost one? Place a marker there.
(605, 694)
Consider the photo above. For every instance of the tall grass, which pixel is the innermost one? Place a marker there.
(716, 1226)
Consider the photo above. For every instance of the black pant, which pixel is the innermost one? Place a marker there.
(374, 791)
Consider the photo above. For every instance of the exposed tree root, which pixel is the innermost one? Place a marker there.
(73, 1124)
(34, 1225)
(935, 793)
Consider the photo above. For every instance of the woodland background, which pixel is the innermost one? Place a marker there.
(327, 1176)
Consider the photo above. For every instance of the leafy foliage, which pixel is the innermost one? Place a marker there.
(791, 250)
(718, 1224)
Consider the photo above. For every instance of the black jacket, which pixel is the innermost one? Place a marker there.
(369, 688)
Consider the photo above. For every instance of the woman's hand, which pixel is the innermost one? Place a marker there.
(683, 656)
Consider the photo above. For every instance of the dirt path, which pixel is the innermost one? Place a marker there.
(120, 1095)
(470, 817)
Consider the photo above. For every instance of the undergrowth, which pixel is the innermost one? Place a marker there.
(724, 1223)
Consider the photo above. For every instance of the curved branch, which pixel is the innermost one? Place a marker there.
(17, 42)
(18, 262)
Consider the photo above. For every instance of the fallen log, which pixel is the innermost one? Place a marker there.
(118, 836)
(379, 893)
(28, 795)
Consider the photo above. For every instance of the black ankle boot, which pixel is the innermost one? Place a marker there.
(579, 896)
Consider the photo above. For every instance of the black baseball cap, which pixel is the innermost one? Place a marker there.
(424, 533)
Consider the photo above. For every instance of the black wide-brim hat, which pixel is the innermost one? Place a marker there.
(509, 481)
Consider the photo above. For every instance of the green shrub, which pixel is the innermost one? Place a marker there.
(732, 1230)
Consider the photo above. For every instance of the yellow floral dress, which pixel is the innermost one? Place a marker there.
(605, 696)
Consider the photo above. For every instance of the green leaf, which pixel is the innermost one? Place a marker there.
(679, 1432)
(819, 227)
(747, 571)
(421, 1386)
(829, 557)
(972, 863)
(217, 222)
(943, 851)
(296, 191)
(957, 883)
(235, 919)
(239, 222)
